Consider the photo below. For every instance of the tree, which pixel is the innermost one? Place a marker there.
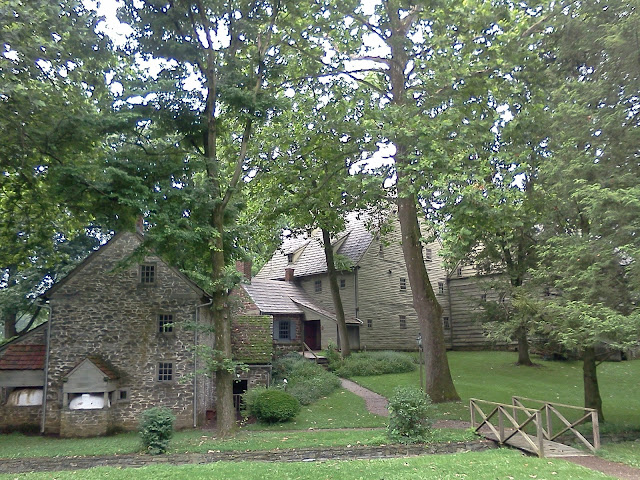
(52, 79)
(488, 210)
(589, 255)
(441, 68)
(320, 140)
(223, 70)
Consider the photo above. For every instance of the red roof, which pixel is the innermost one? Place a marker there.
(23, 357)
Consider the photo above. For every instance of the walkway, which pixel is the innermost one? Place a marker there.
(376, 403)
(354, 452)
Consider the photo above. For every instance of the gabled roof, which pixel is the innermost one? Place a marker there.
(275, 297)
(23, 357)
(102, 249)
(309, 258)
(100, 364)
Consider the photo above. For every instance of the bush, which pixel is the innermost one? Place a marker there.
(375, 363)
(272, 405)
(409, 422)
(306, 380)
(156, 429)
(334, 358)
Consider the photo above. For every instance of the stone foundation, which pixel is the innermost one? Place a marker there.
(20, 418)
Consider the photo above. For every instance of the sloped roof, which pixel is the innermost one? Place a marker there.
(275, 297)
(23, 357)
(309, 252)
(104, 367)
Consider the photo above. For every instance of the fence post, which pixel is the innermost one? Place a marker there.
(473, 413)
(500, 424)
(596, 429)
(547, 410)
(539, 433)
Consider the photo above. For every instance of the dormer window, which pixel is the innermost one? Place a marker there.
(147, 274)
(290, 258)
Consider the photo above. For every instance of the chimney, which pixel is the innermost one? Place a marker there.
(244, 267)
(140, 225)
(288, 274)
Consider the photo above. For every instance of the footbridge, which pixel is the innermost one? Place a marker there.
(536, 426)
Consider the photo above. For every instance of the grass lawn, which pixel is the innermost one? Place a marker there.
(623, 452)
(494, 376)
(495, 464)
(341, 409)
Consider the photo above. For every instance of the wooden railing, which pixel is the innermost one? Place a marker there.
(512, 428)
(550, 411)
(306, 347)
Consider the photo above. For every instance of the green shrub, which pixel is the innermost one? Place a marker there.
(409, 410)
(375, 363)
(306, 380)
(156, 429)
(334, 358)
(273, 405)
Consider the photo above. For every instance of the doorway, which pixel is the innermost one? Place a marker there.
(312, 334)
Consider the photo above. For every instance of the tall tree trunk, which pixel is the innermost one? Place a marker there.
(225, 412)
(592, 397)
(343, 335)
(10, 314)
(523, 347)
(439, 384)
(9, 318)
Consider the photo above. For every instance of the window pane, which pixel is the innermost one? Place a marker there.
(165, 371)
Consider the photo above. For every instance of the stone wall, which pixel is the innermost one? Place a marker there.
(85, 423)
(20, 418)
(104, 309)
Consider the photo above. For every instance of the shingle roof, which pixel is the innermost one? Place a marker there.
(273, 297)
(104, 367)
(23, 357)
(309, 252)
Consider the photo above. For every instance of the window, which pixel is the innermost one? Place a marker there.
(165, 323)
(441, 288)
(343, 283)
(165, 371)
(403, 284)
(403, 321)
(123, 395)
(427, 254)
(459, 272)
(369, 323)
(445, 323)
(289, 258)
(318, 286)
(147, 274)
(284, 330)
(483, 297)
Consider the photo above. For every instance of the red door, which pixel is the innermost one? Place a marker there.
(312, 334)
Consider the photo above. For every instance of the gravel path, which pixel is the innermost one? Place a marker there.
(376, 403)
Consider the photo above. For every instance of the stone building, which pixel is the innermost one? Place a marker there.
(118, 341)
